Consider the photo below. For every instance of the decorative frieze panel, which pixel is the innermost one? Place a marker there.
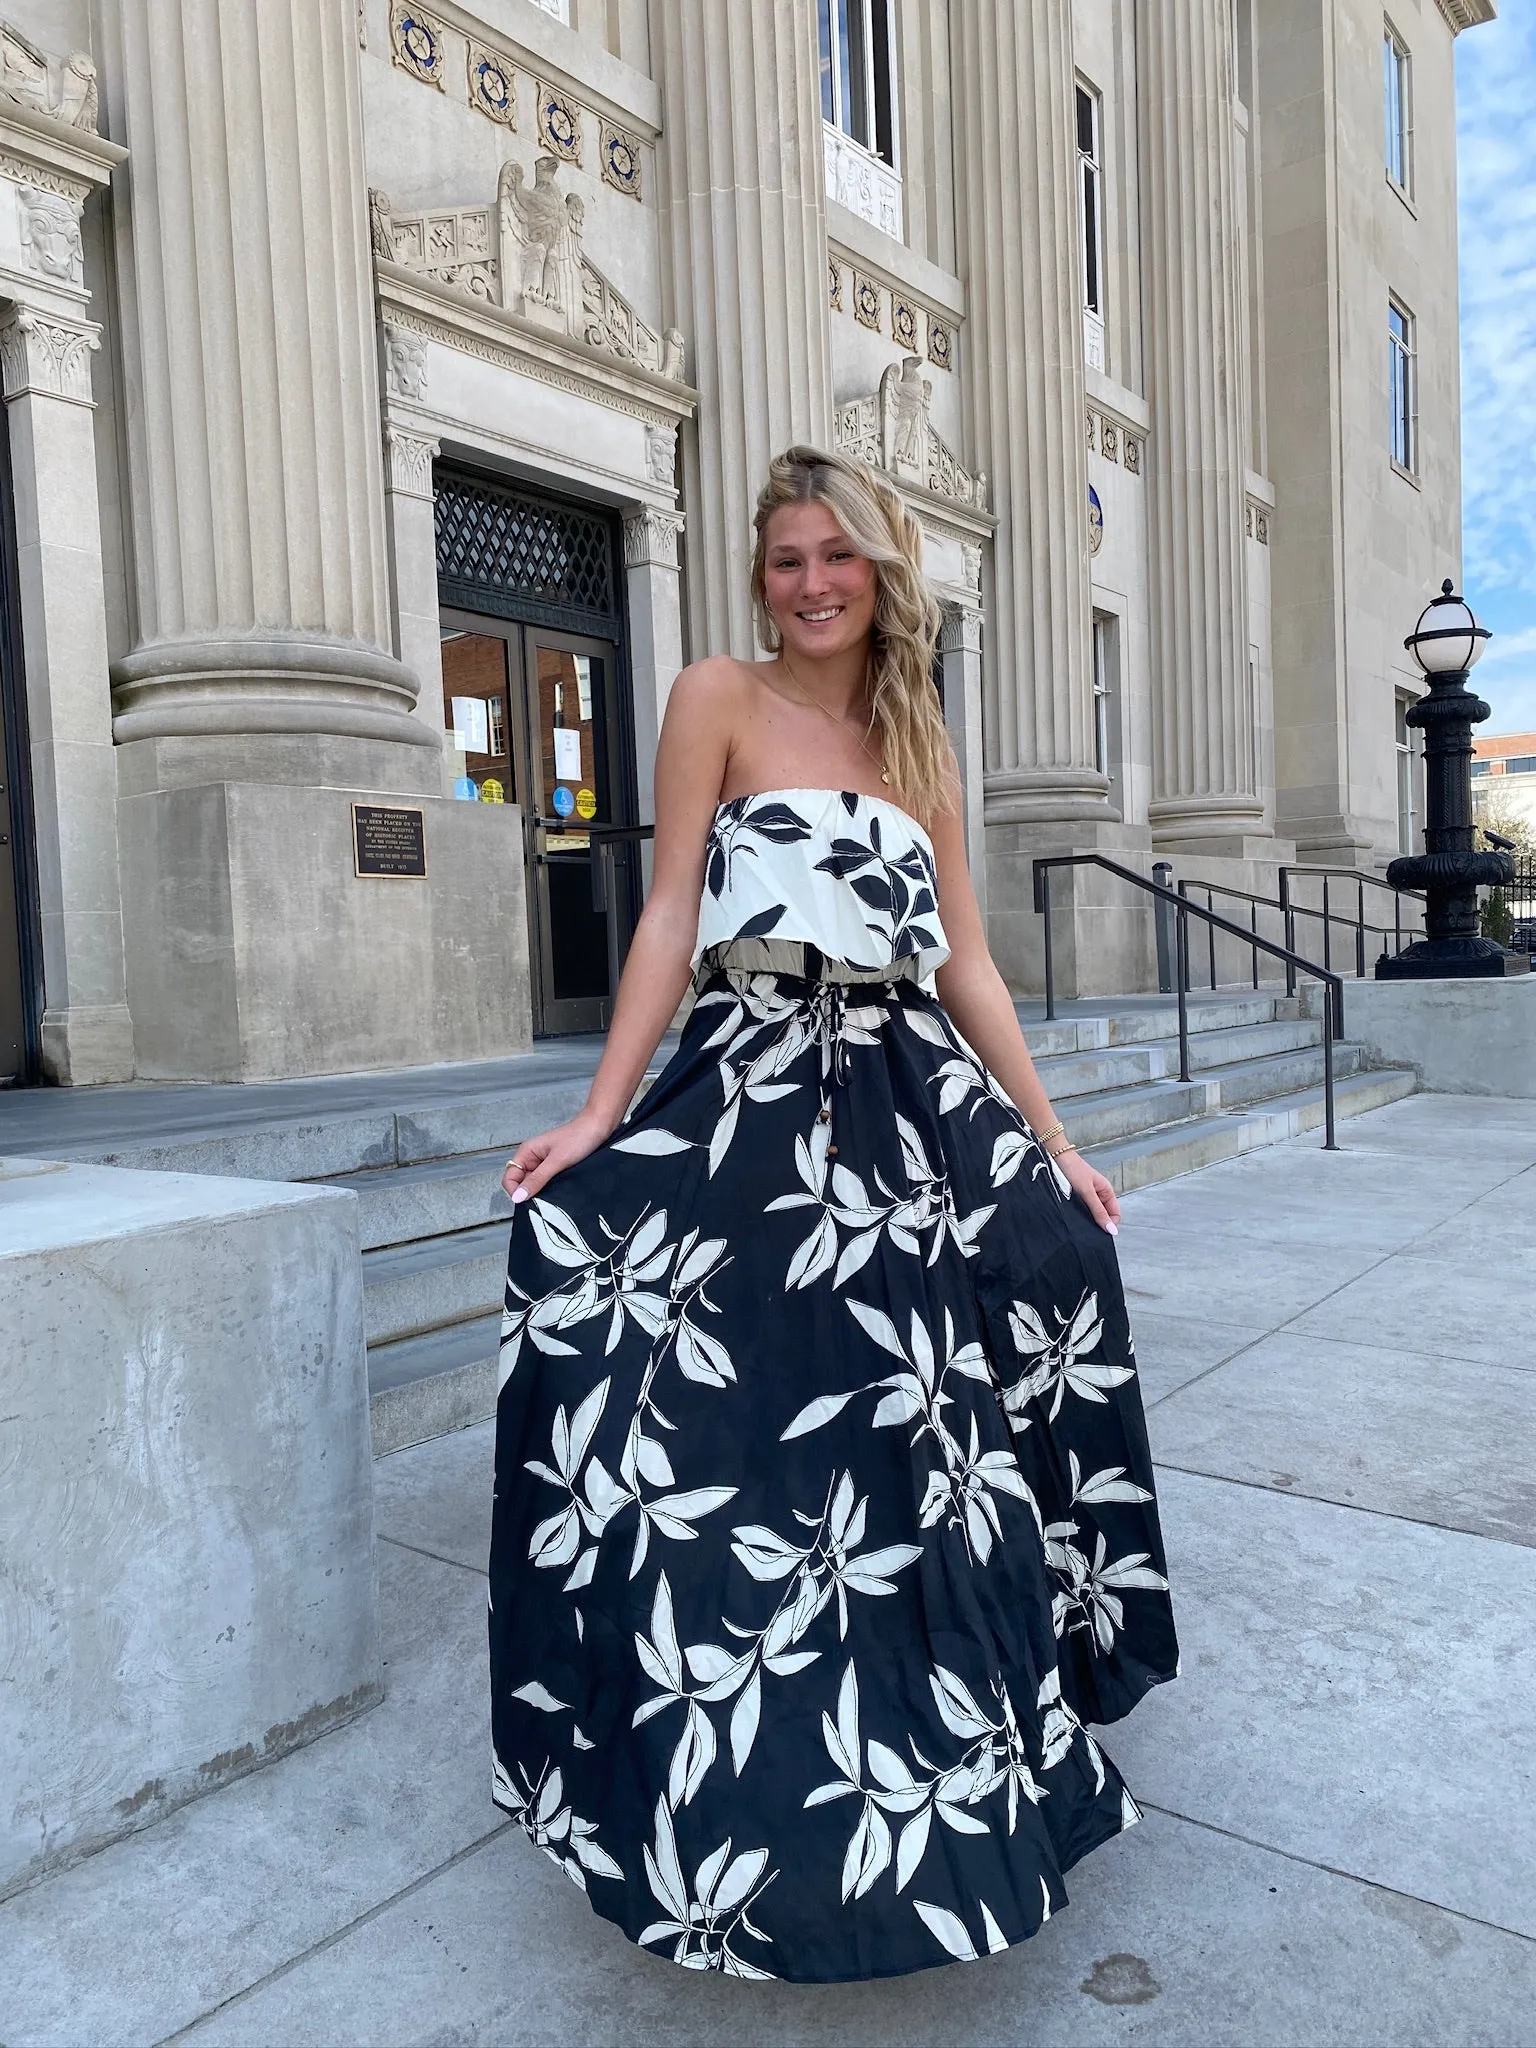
(64, 87)
(861, 182)
(865, 298)
(559, 124)
(619, 156)
(47, 356)
(492, 85)
(1114, 440)
(405, 362)
(661, 452)
(891, 429)
(1257, 522)
(525, 254)
(417, 41)
(419, 44)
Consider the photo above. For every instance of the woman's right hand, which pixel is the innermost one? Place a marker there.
(537, 1160)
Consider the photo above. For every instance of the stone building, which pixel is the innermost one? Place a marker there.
(387, 391)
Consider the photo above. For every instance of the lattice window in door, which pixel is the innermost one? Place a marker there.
(519, 556)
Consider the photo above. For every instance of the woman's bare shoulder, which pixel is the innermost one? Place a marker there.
(713, 693)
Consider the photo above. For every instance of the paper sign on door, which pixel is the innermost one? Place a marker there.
(568, 753)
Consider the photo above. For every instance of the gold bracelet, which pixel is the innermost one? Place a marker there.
(1057, 1130)
(1059, 1151)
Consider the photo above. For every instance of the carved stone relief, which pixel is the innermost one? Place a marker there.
(50, 234)
(941, 344)
(891, 430)
(62, 86)
(526, 254)
(1116, 443)
(661, 453)
(405, 362)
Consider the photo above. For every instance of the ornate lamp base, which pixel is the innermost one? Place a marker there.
(1446, 959)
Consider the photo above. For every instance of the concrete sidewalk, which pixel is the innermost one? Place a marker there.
(1340, 1842)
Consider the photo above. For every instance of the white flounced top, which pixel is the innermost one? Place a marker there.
(850, 875)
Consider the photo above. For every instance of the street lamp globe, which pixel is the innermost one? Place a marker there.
(1449, 639)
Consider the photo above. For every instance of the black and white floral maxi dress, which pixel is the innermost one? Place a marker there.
(824, 1517)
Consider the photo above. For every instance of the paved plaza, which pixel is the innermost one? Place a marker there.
(1340, 1836)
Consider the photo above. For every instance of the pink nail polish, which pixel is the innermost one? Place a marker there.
(519, 1194)
(1113, 1229)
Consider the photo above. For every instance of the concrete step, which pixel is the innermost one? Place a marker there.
(422, 1387)
(426, 1385)
(1068, 1075)
(410, 1289)
(330, 1145)
(1181, 1148)
(396, 1206)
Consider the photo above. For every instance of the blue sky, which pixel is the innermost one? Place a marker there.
(1496, 92)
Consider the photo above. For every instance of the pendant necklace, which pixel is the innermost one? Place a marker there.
(816, 705)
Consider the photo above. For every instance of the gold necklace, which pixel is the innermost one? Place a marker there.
(816, 705)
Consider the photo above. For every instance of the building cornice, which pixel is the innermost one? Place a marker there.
(1460, 14)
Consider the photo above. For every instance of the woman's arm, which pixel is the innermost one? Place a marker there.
(978, 1002)
(690, 768)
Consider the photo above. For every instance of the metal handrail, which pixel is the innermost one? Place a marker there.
(1255, 905)
(1360, 924)
(1333, 1017)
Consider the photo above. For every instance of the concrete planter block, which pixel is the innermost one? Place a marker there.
(186, 1508)
(1462, 1037)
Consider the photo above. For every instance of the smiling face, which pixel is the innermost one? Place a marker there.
(820, 589)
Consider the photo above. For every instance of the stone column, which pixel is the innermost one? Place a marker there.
(960, 658)
(45, 361)
(1204, 774)
(745, 244)
(656, 635)
(412, 528)
(245, 287)
(1016, 211)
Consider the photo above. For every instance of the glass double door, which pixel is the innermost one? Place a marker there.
(537, 714)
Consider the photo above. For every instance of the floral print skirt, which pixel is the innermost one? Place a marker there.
(824, 1520)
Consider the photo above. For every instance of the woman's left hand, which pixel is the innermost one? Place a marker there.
(1099, 1198)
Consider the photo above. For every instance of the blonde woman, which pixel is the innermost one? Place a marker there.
(824, 1515)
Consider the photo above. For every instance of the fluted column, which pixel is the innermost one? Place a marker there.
(1016, 213)
(257, 507)
(745, 244)
(1204, 772)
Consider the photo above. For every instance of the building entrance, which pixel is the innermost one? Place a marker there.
(535, 691)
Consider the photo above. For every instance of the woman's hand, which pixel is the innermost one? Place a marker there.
(1099, 1197)
(537, 1160)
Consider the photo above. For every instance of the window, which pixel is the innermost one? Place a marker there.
(1106, 727)
(1403, 382)
(1407, 781)
(1090, 167)
(1482, 767)
(1520, 764)
(1397, 68)
(858, 73)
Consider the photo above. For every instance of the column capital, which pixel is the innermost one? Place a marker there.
(961, 630)
(43, 354)
(650, 537)
(410, 461)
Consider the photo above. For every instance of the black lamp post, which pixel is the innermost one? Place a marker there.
(1447, 643)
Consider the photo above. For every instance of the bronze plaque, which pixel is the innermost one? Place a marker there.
(389, 843)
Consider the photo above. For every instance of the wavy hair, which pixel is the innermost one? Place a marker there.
(904, 704)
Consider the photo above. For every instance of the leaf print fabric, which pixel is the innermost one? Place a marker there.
(824, 1518)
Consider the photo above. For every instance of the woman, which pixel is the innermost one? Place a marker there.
(824, 1515)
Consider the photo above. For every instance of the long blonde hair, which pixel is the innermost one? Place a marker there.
(905, 705)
